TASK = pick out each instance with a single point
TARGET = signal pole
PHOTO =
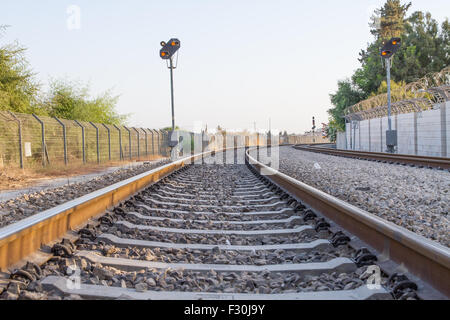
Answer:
(388, 78)
(166, 53)
(171, 93)
(387, 52)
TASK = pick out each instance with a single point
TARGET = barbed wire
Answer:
(416, 96)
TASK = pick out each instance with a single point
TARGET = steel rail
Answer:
(426, 161)
(426, 259)
(20, 239)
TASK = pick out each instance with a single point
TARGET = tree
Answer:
(18, 88)
(424, 49)
(332, 130)
(389, 20)
(170, 128)
(71, 100)
(346, 96)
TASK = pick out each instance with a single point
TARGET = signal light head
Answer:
(169, 48)
(390, 47)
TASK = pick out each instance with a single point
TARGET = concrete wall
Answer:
(422, 133)
(340, 140)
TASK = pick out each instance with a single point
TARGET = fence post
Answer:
(159, 149)
(161, 142)
(247, 145)
(146, 142)
(19, 124)
(257, 146)
(109, 140)
(64, 139)
(129, 140)
(138, 142)
(96, 137)
(120, 142)
(43, 140)
(165, 140)
(82, 140)
(235, 150)
(192, 143)
(153, 142)
(203, 146)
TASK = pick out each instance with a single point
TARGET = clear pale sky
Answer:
(240, 61)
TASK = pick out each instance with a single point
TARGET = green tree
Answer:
(346, 96)
(389, 20)
(424, 49)
(18, 88)
(170, 128)
(71, 100)
(332, 130)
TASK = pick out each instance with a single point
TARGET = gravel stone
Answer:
(417, 199)
(29, 204)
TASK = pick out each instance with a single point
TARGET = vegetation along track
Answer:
(404, 159)
(210, 232)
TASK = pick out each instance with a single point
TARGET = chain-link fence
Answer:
(304, 139)
(30, 141)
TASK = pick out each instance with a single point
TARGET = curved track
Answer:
(209, 232)
(419, 161)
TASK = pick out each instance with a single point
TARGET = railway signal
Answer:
(390, 47)
(166, 53)
(388, 50)
(169, 48)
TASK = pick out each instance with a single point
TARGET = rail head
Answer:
(20, 239)
(24, 237)
(394, 242)
(431, 161)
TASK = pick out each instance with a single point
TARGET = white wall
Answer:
(340, 140)
(423, 133)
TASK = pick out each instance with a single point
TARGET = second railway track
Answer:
(442, 163)
(210, 232)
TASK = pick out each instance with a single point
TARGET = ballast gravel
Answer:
(29, 204)
(417, 199)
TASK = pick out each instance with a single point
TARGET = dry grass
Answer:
(16, 178)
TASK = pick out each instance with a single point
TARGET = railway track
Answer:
(405, 159)
(205, 232)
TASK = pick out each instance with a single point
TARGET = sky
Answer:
(241, 62)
